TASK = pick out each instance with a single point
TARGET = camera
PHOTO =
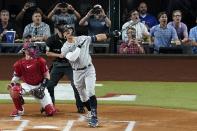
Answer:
(63, 5)
(32, 3)
(97, 9)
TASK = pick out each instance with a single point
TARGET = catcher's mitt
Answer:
(38, 92)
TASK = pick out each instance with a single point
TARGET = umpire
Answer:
(60, 65)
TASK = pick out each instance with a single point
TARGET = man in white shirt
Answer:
(141, 29)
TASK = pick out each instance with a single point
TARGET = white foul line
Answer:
(22, 125)
(130, 126)
(69, 125)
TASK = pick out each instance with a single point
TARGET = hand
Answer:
(56, 7)
(9, 86)
(27, 5)
(103, 13)
(4, 31)
(61, 56)
(131, 41)
(89, 13)
(125, 49)
(70, 7)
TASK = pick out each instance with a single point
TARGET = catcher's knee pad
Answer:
(49, 110)
(15, 90)
(15, 93)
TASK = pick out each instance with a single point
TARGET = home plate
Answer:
(45, 127)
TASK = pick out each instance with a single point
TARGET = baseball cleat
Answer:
(17, 113)
(93, 122)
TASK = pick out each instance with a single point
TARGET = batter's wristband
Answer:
(94, 39)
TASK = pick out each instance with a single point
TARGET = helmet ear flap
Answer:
(72, 30)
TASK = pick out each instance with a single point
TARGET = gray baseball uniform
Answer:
(84, 74)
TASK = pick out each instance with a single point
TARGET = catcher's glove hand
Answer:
(38, 92)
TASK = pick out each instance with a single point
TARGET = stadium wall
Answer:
(129, 68)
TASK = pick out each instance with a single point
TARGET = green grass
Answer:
(180, 95)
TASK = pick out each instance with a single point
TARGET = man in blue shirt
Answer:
(163, 34)
(193, 38)
(146, 18)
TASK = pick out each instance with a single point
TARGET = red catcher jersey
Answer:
(31, 71)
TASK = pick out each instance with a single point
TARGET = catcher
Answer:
(34, 72)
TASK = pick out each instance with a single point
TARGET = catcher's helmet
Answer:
(31, 48)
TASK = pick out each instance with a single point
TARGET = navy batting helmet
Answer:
(63, 26)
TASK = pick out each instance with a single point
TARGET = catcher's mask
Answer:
(31, 48)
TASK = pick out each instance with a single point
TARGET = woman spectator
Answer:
(131, 46)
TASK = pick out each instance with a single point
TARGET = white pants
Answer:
(85, 82)
(44, 101)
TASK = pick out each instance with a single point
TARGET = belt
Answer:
(82, 68)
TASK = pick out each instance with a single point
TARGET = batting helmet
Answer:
(63, 26)
(31, 48)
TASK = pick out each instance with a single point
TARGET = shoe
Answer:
(81, 110)
(17, 113)
(42, 110)
(93, 122)
(88, 116)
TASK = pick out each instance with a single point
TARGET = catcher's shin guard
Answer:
(15, 93)
(50, 110)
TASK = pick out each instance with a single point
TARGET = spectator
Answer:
(5, 24)
(64, 12)
(193, 38)
(131, 46)
(141, 30)
(24, 17)
(163, 34)
(96, 20)
(38, 30)
(146, 18)
(179, 26)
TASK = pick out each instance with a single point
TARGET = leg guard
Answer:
(15, 93)
(49, 110)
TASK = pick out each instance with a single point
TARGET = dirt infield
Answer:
(112, 118)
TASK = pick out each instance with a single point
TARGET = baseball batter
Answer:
(76, 50)
(35, 74)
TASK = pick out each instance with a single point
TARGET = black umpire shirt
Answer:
(54, 44)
